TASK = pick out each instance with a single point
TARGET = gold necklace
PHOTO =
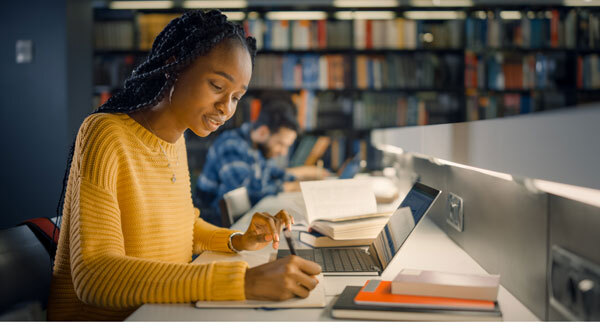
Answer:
(173, 179)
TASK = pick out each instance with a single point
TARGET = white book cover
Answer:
(360, 31)
(379, 34)
(391, 35)
(443, 284)
(410, 34)
(296, 35)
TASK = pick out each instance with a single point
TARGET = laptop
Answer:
(375, 259)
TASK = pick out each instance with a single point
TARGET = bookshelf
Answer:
(349, 76)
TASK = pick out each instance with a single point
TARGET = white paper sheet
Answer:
(316, 298)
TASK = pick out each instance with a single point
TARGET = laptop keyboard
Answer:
(339, 260)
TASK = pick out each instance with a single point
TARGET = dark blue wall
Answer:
(41, 103)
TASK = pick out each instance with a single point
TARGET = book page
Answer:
(336, 198)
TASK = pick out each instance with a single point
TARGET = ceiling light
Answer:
(441, 3)
(235, 16)
(312, 15)
(215, 4)
(434, 15)
(365, 15)
(581, 3)
(362, 3)
(140, 4)
(510, 15)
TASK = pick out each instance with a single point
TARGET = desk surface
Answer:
(428, 247)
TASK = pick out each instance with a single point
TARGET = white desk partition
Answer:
(559, 146)
(428, 247)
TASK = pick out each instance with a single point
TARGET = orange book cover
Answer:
(322, 33)
(369, 35)
(554, 26)
(255, 106)
(376, 292)
(318, 150)
(300, 101)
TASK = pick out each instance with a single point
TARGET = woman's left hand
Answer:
(263, 229)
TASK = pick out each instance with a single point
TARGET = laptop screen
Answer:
(420, 198)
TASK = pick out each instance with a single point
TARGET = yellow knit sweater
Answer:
(128, 232)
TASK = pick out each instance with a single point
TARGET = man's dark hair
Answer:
(193, 34)
(277, 113)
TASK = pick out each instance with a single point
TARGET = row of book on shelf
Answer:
(391, 71)
(374, 110)
(544, 29)
(308, 71)
(588, 72)
(502, 71)
(358, 34)
(541, 29)
(494, 105)
(394, 71)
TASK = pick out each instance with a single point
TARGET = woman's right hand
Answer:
(281, 279)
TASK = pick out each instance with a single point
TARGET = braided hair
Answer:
(193, 34)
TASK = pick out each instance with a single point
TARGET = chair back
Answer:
(25, 270)
(234, 204)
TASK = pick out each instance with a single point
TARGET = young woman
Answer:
(129, 228)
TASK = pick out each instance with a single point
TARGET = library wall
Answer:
(36, 107)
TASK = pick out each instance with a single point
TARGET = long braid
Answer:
(185, 38)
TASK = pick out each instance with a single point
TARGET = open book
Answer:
(343, 208)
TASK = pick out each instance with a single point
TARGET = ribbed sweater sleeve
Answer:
(210, 237)
(103, 274)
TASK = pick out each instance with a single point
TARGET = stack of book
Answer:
(420, 295)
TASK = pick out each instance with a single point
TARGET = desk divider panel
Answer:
(505, 226)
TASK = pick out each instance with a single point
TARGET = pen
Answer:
(288, 238)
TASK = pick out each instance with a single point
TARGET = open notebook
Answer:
(316, 299)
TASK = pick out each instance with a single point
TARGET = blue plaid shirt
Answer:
(233, 162)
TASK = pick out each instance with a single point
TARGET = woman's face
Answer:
(206, 94)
